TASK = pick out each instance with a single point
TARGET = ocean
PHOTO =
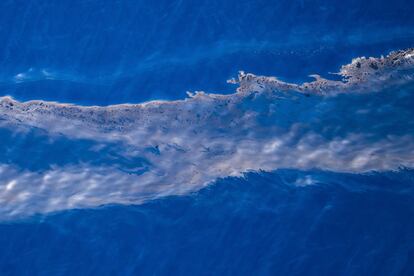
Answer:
(286, 221)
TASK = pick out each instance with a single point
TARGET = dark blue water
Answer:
(103, 52)
(265, 224)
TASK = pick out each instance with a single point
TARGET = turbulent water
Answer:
(124, 151)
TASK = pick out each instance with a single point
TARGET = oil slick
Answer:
(186, 144)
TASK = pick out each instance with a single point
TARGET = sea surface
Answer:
(284, 222)
(263, 224)
(106, 52)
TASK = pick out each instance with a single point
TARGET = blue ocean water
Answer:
(264, 224)
(107, 52)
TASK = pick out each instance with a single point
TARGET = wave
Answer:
(358, 124)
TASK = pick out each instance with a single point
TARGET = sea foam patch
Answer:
(137, 152)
